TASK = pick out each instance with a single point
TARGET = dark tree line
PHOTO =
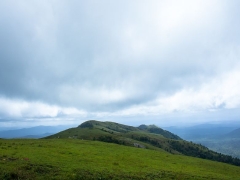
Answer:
(200, 151)
(190, 149)
(146, 139)
(109, 139)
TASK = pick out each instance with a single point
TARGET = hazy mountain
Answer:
(202, 131)
(8, 128)
(34, 132)
(234, 134)
(222, 138)
(36, 136)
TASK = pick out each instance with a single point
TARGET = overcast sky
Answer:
(161, 62)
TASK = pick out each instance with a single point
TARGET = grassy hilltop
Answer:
(107, 150)
(149, 137)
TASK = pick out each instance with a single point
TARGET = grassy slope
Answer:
(81, 159)
(150, 137)
(117, 131)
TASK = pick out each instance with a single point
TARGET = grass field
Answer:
(82, 159)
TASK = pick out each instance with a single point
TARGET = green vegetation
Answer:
(149, 137)
(157, 130)
(125, 152)
(83, 159)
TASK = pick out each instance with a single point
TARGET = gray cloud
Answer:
(113, 57)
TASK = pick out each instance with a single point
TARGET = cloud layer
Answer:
(91, 59)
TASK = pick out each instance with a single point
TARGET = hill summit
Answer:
(120, 128)
(143, 136)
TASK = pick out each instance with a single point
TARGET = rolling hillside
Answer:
(74, 159)
(147, 137)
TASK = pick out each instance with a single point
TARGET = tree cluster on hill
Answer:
(109, 139)
(189, 149)
(200, 151)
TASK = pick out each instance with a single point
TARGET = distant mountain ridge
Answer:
(234, 134)
(32, 132)
(223, 138)
(144, 136)
(201, 131)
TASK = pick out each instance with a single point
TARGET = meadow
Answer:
(83, 159)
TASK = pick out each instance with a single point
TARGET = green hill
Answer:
(76, 159)
(147, 137)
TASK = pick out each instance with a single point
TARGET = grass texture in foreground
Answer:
(81, 159)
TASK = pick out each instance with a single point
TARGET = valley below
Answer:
(229, 146)
(224, 139)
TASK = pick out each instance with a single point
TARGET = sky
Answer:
(163, 62)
